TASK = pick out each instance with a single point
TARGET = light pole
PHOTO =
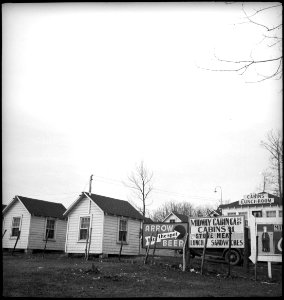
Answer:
(221, 192)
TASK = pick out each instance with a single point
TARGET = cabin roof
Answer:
(110, 206)
(40, 208)
(183, 218)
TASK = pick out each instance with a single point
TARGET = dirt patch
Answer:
(60, 276)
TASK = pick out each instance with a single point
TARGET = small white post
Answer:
(269, 269)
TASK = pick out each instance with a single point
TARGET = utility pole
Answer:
(90, 186)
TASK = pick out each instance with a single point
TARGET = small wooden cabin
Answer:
(38, 223)
(101, 224)
(174, 217)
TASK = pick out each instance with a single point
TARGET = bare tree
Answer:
(274, 145)
(141, 182)
(267, 18)
(184, 208)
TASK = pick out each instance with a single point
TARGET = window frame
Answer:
(19, 227)
(280, 213)
(118, 231)
(54, 230)
(257, 211)
(231, 214)
(270, 211)
(245, 214)
(79, 228)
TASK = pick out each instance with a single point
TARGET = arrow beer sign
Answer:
(164, 235)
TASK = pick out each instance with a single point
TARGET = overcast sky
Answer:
(96, 88)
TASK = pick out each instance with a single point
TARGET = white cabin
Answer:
(99, 225)
(39, 224)
(174, 217)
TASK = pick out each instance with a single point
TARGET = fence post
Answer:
(16, 242)
(46, 238)
(203, 254)
(86, 249)
(269, 269)
(89, 246)
(121, 245)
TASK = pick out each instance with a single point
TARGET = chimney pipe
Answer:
(90, 187)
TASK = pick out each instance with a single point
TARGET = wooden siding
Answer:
(37, 234)
(96, 218)
(110, 244)
(16, 210)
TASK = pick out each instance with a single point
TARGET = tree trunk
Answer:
(279, 176)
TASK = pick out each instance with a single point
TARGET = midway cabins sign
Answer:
(218, 232)
(254, 198)
(164, 235)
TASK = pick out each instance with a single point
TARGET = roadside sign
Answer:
(218, 231)
(270, 238)
(164, 235)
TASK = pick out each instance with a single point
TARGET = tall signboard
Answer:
(164, 235)
(218, 232)
(269, 245)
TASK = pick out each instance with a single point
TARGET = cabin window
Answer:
(244, 213)
(16, 226)
(280, 213)
(257, 213)
(172, 221)
(84, 227)
(271, 214)
(122, 230)
(50, 229)
(232, 214)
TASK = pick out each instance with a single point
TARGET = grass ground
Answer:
(59, 276)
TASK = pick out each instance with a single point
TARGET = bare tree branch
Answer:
(272, 32)
(274, 145)
(140, 181)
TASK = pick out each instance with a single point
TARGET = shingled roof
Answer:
(116, 207)
(110, 206)
(182, 217)
(41, 208)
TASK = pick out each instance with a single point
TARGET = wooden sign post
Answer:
(246, 252)
(155, 244)
(184, 254)
(255, 266)
(203, 254)
(147, 251)
(229, 256)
